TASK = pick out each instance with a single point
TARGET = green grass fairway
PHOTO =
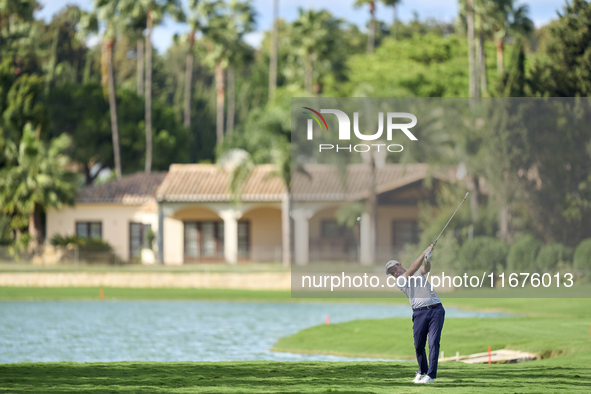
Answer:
(300, 377)
(557, 328)
(392, 338)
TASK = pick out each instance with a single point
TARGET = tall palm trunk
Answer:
(220, 93)
(113, 107)
(148, 114)
(308, 72)
(274, 48)
(140, 66)
(231, 101)
(35, 230)
(471, 63)
(371, 37)
(482, 64)
(189, 80)
(500, 44)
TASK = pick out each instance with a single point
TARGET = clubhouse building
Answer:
(188, 214)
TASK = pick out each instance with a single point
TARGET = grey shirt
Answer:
(418, 290)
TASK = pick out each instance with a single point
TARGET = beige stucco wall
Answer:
(385, 216)
(265, 233)
(115, 219)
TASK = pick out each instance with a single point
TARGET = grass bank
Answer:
(392, 338)
(300, 377)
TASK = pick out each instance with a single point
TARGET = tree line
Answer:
(121, 105)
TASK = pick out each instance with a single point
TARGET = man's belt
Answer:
(427, 307)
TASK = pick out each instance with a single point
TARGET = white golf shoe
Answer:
(426, 379)
(417, 378)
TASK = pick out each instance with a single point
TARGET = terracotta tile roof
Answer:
(135, 189)
(209, 182)
(324, 182)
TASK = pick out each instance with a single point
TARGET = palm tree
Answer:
(312, 35)
(106, 11)
(37, 180)
(267, 142)
(513, 21)
(197, 23)
(154, 11)
(394, 4)
(274, 50)
(224, 34)
(371, 36)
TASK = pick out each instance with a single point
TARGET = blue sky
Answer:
(541, 11)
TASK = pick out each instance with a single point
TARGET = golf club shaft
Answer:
(435, 243)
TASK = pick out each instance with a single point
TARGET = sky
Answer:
(541, 12)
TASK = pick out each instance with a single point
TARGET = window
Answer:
(331, 229)
(139, 238)
(89, 229)
(404, 232)
(205, 240)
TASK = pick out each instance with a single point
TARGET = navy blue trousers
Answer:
(430, 322)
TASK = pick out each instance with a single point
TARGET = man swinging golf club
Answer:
(428, 314)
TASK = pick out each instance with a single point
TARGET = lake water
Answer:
(87, 331)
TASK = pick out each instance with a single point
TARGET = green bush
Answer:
(482, 254)
(582, 258)
(522, 255)
(550, 255)
(60, 240)
(84, 244)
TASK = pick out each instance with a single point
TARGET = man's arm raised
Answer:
(427, 266)
(417, 263)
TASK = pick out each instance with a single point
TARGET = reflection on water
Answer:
(87, 331)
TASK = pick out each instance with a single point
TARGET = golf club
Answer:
(435, 243)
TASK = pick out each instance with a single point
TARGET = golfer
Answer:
(428, 313)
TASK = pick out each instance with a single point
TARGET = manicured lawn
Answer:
(559, 329)
(300, 377)
(392, 338)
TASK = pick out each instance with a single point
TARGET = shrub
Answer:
(482, 254)
(550, 255)
(95, 245)
(522, 255)
(59, 240)
(84, 244)
(582, 258)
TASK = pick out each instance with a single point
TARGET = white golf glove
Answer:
(429, 253)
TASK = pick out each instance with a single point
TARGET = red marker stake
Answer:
(327, 320)
(489, 360)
